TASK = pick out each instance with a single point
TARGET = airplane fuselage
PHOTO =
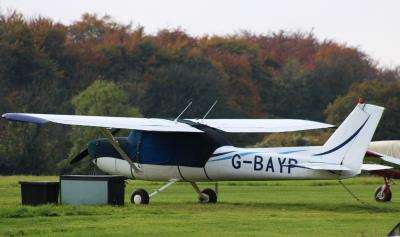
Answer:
(227, 163)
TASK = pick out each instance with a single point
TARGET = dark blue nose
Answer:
(103, 148)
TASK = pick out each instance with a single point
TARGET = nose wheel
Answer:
(208, 196)
(205, 196)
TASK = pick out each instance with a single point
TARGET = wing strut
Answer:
(117, 147)
(209, 110)
(176, 120)
(159, 190)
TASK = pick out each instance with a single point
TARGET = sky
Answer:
(373, 26)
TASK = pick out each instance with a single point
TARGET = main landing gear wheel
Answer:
(383, 194)
(140, 196)
(208, 196)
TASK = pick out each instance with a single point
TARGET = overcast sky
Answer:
(373, 26)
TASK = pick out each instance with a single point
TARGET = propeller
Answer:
(81, 155)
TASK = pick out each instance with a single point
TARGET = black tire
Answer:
(211, 196)
(140, 196)
(383, 196)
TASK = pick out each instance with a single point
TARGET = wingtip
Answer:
(327, 125)
(5, 115)
(23, 118)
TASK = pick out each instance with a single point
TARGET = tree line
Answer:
(96, 66)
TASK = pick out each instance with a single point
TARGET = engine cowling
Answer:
(163, 148)
(103, 148)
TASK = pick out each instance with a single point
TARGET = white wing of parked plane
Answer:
(261, 125)
(371, 167)
(165, 125)
(388, 151)
(146, 124)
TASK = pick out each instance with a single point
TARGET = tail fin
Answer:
(347, 146)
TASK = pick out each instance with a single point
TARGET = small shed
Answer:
(92, 189)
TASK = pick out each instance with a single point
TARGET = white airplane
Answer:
(194, 150)
(388, 152)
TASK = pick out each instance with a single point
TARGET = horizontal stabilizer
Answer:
(321, 166)
(370, 167)
(261, 125)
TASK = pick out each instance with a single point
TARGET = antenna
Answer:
(190, 103)
(209, 110)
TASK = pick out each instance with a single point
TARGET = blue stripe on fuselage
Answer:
(230, 156)
(290, 152)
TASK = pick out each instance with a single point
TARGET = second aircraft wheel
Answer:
(140, 196)
(382, 194)
(208, 196)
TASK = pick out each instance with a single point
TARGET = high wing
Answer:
(164, 125)
(261, 125)
(146, 124)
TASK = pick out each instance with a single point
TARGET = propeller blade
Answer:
(85, 152)
(80, 156)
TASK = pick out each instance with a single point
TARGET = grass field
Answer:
(284, 208)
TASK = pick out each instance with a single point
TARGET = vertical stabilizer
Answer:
(347, 146)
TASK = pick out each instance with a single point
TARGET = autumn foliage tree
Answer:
(44, 65)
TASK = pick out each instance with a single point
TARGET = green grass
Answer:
(275, 208)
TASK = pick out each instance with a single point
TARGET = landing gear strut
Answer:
(141, 196)
(205, 196)
(384, 193)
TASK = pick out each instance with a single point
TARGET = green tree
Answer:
(102, 98)
(383, 93)
(288, 95)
